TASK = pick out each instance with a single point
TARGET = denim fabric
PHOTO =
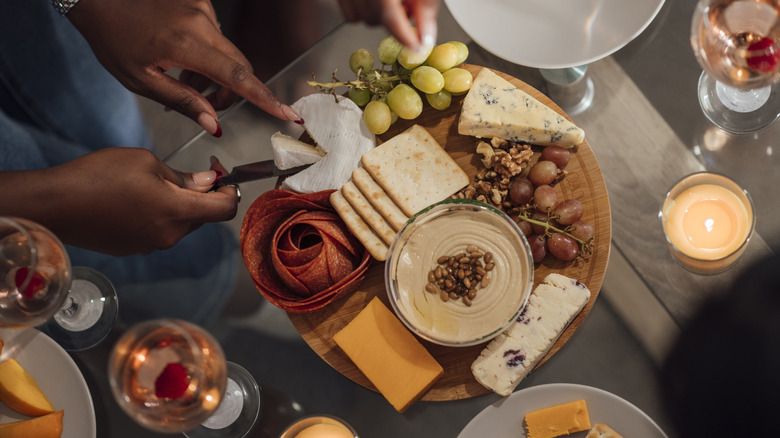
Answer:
(57, 103)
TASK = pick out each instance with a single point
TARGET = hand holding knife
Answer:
(255, 171)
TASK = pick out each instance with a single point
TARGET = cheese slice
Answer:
(558, 420)
(511, 356)
(290, 152)
(494, 107)
(338, 128)
(389, 355)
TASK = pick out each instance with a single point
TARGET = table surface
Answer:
(646, 131)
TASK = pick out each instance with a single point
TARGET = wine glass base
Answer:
(239, 410)
(733, 111)
(89, 312)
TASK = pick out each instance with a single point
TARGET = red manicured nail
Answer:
(299, 121)
(219, 175)
(218, 132)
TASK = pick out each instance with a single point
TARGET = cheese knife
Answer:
(255, 171)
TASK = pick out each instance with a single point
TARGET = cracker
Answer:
(414, 170)
(375, 246)
(367, 211)
(379, 199)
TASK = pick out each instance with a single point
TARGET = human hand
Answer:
(394, 15)
(124, 201)
(139, 42)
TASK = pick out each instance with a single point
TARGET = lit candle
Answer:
(707, 219)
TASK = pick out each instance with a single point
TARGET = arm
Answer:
(118, 200)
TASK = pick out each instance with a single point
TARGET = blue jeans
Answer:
(57, 103)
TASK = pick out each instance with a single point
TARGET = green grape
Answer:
(405, 102)
(377, 117)
(457, 80)
(360, 96)
(427, 79)
(463, 51)
(408, 58)
(443, 57)
(388, 49)
(361, 59)
(440, 100)
(393, 117)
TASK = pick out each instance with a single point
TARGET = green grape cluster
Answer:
(396, 87)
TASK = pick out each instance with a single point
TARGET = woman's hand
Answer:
(118, 201)
(138, 42)
(395, 15)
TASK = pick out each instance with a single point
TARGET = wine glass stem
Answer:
(742, 101)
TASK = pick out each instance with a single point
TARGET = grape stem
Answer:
(585, 245)
(372, 84)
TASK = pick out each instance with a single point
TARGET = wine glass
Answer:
(77, 307)
(171, 376)
(736, 43)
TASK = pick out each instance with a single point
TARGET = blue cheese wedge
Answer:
(511, 356)
(338, 128)
(290, 152)
(494, 107)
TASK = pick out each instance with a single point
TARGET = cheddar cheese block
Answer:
(558, 420)
(389, 355)
(494, 107)
(508, 358)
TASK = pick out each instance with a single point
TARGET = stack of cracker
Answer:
(397, 179)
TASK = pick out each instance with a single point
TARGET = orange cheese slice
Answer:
(389, 355)
(558, 420)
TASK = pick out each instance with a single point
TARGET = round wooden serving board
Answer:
(583, 182)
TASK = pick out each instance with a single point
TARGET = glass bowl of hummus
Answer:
(459, 273)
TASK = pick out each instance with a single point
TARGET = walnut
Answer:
(499, 143)
(487, 153)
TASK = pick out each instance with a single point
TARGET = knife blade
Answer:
(256, 171)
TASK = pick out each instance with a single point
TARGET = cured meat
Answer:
(299, 252)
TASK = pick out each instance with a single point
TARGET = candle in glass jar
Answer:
(707, 222)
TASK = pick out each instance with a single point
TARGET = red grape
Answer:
(541, 217)
(545, 198)
(525, 227)
(569, 211)
(543, 172)
(521, 190)
(563, 247)
(582, 230)
(557, 154)
(538, 248)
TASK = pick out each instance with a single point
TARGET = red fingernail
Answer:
(219, 175)
(218, 132)
(299, 121)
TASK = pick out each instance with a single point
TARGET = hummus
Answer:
(447, 230)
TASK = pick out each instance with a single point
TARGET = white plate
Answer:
(58, 377)
(504, 418)
(553, 33)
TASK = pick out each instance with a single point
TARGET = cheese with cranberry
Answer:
(494, 107)
(508, 358)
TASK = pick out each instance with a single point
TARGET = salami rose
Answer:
(299, 252)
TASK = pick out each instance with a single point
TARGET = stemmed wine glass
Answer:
(77, 307)
(736, 43)
(171, 376)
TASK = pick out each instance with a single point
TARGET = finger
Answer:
(217, 206)
(222, 99)
(238, 77)
(199, 181)
(184, 99)
(217, 166)
(425, 13)
(195, 80)
(397, 23)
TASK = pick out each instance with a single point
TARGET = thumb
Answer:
(199, 181)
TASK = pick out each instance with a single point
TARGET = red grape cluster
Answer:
(550, 225)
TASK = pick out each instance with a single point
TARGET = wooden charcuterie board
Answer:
(584, 182)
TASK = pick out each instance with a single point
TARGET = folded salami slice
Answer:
(299, 252)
